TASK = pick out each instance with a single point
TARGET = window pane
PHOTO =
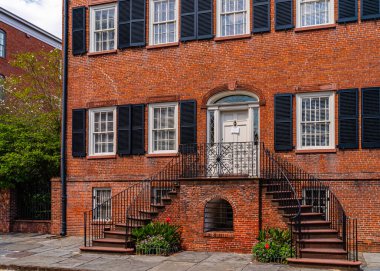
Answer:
(314, 12)
(164, 130)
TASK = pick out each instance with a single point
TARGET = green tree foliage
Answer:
(30, 120)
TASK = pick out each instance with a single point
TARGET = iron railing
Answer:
(312, 192)
(33, 201)
(132, 207)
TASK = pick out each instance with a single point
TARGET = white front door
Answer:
(235, 126)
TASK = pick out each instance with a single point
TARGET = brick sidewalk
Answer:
(29, 251)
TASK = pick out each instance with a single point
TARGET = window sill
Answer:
(157, 155)
(219, 234)
(102, 53)
(245, 36)
(96, 157)
(315, 151)
(172, 44)
(315, 27)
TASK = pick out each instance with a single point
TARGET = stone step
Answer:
(111, 242)
(320, 253)
(116, 234)
(108, 250)
(325, 263)
(321, 243)
(317, 233)
(292, 209)
(312, 224)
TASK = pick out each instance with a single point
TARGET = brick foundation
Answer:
(31, 226)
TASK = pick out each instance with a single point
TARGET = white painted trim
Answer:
(91, 130)
(331, 14)
(151, 20)
(218, 20)
(223, 94)
(331, 96)
(29, 28)
(150, 127)
(92, 24)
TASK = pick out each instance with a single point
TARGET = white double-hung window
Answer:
(103, 36)
(163, 18)
(102, 138)
(101, 203)
(233, 17)
(2, 43)
(315, 12)
(163, 123)
(315, 121)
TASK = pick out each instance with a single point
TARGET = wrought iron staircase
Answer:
(322, 233)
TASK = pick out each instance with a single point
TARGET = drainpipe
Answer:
(64, 118)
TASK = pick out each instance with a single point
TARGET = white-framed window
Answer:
(233, 17)
(315, 121)
(315, 12)
(163, 21)
(102, 136)
(103, 26)
(163, 128)
(101, 204)
(2, 43)
(318, 198)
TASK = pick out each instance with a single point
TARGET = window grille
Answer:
(218, 216)
(314, 12)
(104, 29)
(164, 21)
(102, 204)
(2, 43)
(233, 17)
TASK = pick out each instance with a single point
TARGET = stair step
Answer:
(140, 218)
(166, 198)
(149, 212)
(287, 199)
(117, 232)
(303, 214)
(278, 192)
(108, 249)
(112, 242)
(354, 265)
(172, 192)
(311, 222)
(294, 207)
(323, 250)
(321, 240)
(158, 206)
(129, 225)
(316, 231)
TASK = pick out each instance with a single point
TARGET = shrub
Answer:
(157, 238)
(275, 245)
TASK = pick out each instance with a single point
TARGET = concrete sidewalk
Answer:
(29, 251)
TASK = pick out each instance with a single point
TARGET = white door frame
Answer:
(233, 107)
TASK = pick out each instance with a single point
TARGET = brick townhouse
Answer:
(18, 36)
(228, 116)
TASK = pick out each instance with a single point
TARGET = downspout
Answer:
(64, 118)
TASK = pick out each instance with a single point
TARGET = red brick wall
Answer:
(345, 56)
(18, 42)
(31, 226)
(360, 199)
(187, 210)
(5, 210)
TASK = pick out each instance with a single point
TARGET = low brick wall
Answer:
(31, 226)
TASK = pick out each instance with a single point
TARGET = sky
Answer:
(46, 14)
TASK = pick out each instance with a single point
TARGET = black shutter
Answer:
(124, 130)
(261, 16)
(188, 127)
(204, 19)
(79, 133)
(284, 14)
(348, 119)
(371, 118)
(78, 37)
(131, 23)
(370, 9)
(188, 20)
(347, 11)
(283, 122)
(138, 135)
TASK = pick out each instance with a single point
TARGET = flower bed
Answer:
(157, 238)
(275, 245)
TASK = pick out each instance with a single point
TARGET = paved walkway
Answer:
(26, 251)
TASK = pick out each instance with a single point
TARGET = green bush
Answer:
(275, 245)
(157, 238)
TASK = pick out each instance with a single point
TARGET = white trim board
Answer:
(29, 28)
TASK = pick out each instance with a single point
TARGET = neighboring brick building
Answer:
(303, 77)
(19, 36)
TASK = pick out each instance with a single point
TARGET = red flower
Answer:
(168, 220)
(267, 246)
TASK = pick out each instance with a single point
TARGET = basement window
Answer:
(218, 216)
(318, 198)
(101, 202)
